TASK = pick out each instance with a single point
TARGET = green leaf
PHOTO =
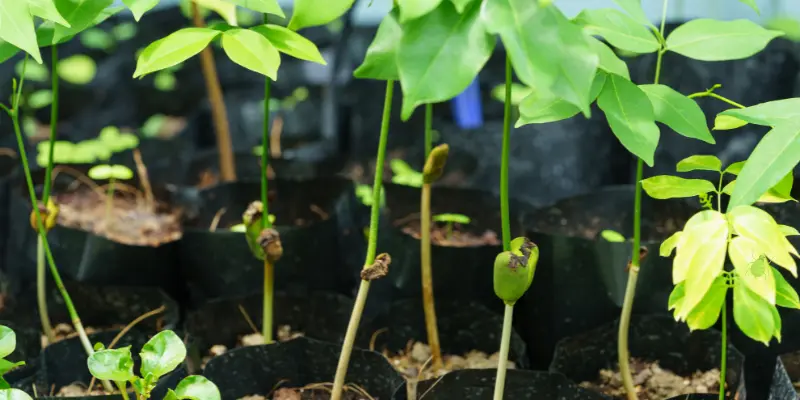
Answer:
(290, 42)
(6, 366)
(727, 122)
(630, 116)
(634, 9)
(785, 295)
(105, 171)
(196, 387)
(40, 99)
(113, 365)
(518, 93)
(139, 7)
(781, 192)
(261, 6)
(173, 49)
(438, 64)
(124, 31)
(706, 313)
(700, 257)
(712, 40)
(8, 341)
(14, 394)
(98, 39)
(308, 13)
(79, 69)
(609, 62)
(752, 314)
(46, 9)
(700, 163)
(570, 66)
(165, 81)
(752, 267)
(380, 61)
(771, 113)
(735, 168)
(679, 112)
(162, 354)
(81, 15)
(412, 9)
(612, 236)
(542, 107)
(758, 226)
(252, 51)
(776, 317)
(751, 4)
(620, 30)
(453, 218)
(16, 27)
(788, 230)
(461, 5)
(669, 244)
(776, 155)
(676, 296)
(671, 187)
(33, 72)
(223, 8)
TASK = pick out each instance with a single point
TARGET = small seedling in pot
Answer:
(450, 219)
(403, 174)
(160, 355)
(111, 173)
(752, 241)
(513, 274)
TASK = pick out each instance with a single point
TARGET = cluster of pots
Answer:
(570, 181)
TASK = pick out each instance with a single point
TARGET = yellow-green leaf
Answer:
(630, 115)
(785, 295)
(771, 113)
(706, 313)
(699, 163)
(788, 230)
(139, 7)
(261, 6)
(670, 187)
(411, 9)
(727, 122)
(676, 297)
(758, 226)
(752, 267)
(541, 107)
(290, 42)
(700, 257)
(16, 27)
(223, 8)
(679, 112)
(308, 13)
(608, 60)
(46, 9)
(711, 40)
(380, 62)
(622, 31)
(752, 314)
(668, 245)
(173, 49)
(252, 51)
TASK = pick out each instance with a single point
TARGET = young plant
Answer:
(111, 173)
(8, 342)
(160, 356)
(403, 174)
(513, 275)
(752, 241)
(451, 219)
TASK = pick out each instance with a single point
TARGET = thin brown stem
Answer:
(219, 114)
(144, 179)
(428, 304)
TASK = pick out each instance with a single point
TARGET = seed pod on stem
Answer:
(263, 243)
(434, 165)
(49, 214)
(514, 270)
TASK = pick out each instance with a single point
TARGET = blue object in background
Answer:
(467, 107)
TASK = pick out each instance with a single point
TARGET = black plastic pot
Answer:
(463, 326)
(651, 338)
(479, 385)
(581, 278)
(458, 272)
(296, 363)
(29, 345)
(64, 363)
(220, 264)
(318, 315)
(83, 256)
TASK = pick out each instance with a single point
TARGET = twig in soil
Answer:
(423, 367)
(248, 319)
(275, 137)
(348, 387)
(215, 221)
(317, 210)
(125, 330)
(144, 179)
(375, 337)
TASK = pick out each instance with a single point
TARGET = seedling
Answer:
(513, 274)
(111, 173)
(160, 356)
(612, 236)
(403, 174)
(8, 342)
(752, 241)
(364, 194)
(450, 219)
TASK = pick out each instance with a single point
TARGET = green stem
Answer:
(428, 304)
(505, 341)
(76, 321)
(265, 154)
(724, 353)
(709, 93)
(48, 173)
(123, 390)
(504, 212)
(269, 289)
(623, 352)
(363, 289)
(428, 130)
(41, 292)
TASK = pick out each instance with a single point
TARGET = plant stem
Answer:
(41, 292)
(363, 289)
(48, 173)
(716, 96)
(265, 154)
(505, 341)
(623, 353)
(428, 303)
(269, 287)
(724, 351)
(428, 130)
(219, 114)
(76, 321)
(504, 211)
(109, 202)
(123, 390)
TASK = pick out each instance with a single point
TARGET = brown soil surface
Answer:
(416, 357)
(313, 394)
(80, 390)
(654, 383)
(457, 238)
(67, 331)
(285, 333)
(130, 221)
(589, 226)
